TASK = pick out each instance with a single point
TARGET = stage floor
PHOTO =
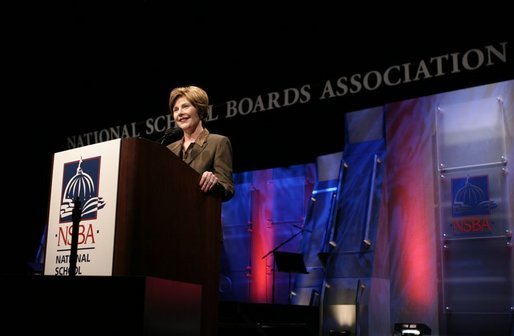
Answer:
(239, 318)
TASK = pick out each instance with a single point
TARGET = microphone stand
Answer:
(75, 216)
(273, 251)
(170, 132)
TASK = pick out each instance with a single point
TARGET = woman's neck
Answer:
(192, 136)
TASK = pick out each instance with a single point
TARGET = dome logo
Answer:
(471, 205)
(81, 181)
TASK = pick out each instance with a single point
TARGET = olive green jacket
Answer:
(211, 152)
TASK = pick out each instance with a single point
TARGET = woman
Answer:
(208, 154)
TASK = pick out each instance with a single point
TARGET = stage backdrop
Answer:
(412, 222)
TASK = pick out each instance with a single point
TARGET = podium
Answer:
(143, 216)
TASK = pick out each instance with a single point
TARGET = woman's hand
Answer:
(207, 181)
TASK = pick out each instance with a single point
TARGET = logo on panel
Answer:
(81, 181)
(471, 206)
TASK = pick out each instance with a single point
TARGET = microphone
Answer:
(173, 132)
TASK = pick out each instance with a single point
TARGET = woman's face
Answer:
(185, 115)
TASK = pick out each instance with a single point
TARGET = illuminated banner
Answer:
(89, 174)
(472, 166)
(393, 76)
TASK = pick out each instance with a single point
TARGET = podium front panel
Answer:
(89, 173)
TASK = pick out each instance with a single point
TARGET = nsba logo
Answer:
(81, 182)
(471, 206)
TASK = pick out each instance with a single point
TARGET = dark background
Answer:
(77, 67)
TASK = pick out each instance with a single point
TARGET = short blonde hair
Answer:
(196, 96)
